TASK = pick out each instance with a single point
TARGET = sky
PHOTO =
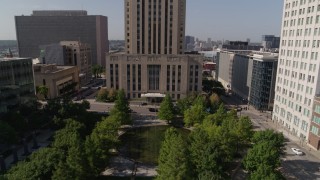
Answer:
(216, 19)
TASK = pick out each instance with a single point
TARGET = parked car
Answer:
(297, 151)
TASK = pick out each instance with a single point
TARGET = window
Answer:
(315, 130)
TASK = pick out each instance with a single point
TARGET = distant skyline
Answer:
(215, 19)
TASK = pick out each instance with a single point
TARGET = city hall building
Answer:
(155, 75)
(153, 63)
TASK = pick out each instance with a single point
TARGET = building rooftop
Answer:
(59, 13)
(12, 59)
(265, 55)
(49, 68)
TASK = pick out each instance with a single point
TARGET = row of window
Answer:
(302, 2)
(316, 119)
(304, 124)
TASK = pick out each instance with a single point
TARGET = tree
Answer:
(69, 136)
(96, 70)
(40, 166)
(265, 172)
(184, 104)
(206, 155)
(276, 139)
(195, 114)
(102, 139)
(102, 95)
(244, 130)
(173, 161)
(43, 90)
(211, 86)
(262, 153)
(215, 101)
(166, 110)
(121, 108)
(112, 94)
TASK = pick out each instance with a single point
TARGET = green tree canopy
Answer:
(262, 153)
(274, 138)
(102, 139)
(102, 95)
(205, 154)
(121, 109)
(43, 90)
(173, 161)
(196, 114)
(40, 166)
(265, 172)
(166, 110)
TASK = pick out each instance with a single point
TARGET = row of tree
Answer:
(106, 95)
(193, 108)
(79, 151)
(97, 70)
(211, 147)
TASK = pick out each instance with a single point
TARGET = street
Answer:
(293, 166)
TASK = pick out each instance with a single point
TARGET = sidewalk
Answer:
(266, 117)
(42, 141)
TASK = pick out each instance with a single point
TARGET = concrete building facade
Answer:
(16, 82)
(250, 75)
(59, 79)
(153, 64)
(69, 53)
(176, 75)
(298, 68)
(48, 27)
(155, 27)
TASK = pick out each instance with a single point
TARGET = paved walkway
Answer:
(42, 140)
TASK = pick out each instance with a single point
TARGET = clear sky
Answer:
(216, 19)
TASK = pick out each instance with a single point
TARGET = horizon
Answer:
(231, 20)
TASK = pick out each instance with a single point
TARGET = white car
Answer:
(297, 151)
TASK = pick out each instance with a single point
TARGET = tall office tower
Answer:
(155, 26)
(48, 27)
(16, 82)
(298, 68)
(270, 41)
(154, 64)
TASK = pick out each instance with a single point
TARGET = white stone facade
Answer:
(298, 66)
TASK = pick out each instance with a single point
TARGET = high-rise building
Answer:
(69, 53)
(154, 64)
(298, 69)
(48, 27)
(189, 43)
(270, 41)
(16, 82)
(155, 27)
(250, 75)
